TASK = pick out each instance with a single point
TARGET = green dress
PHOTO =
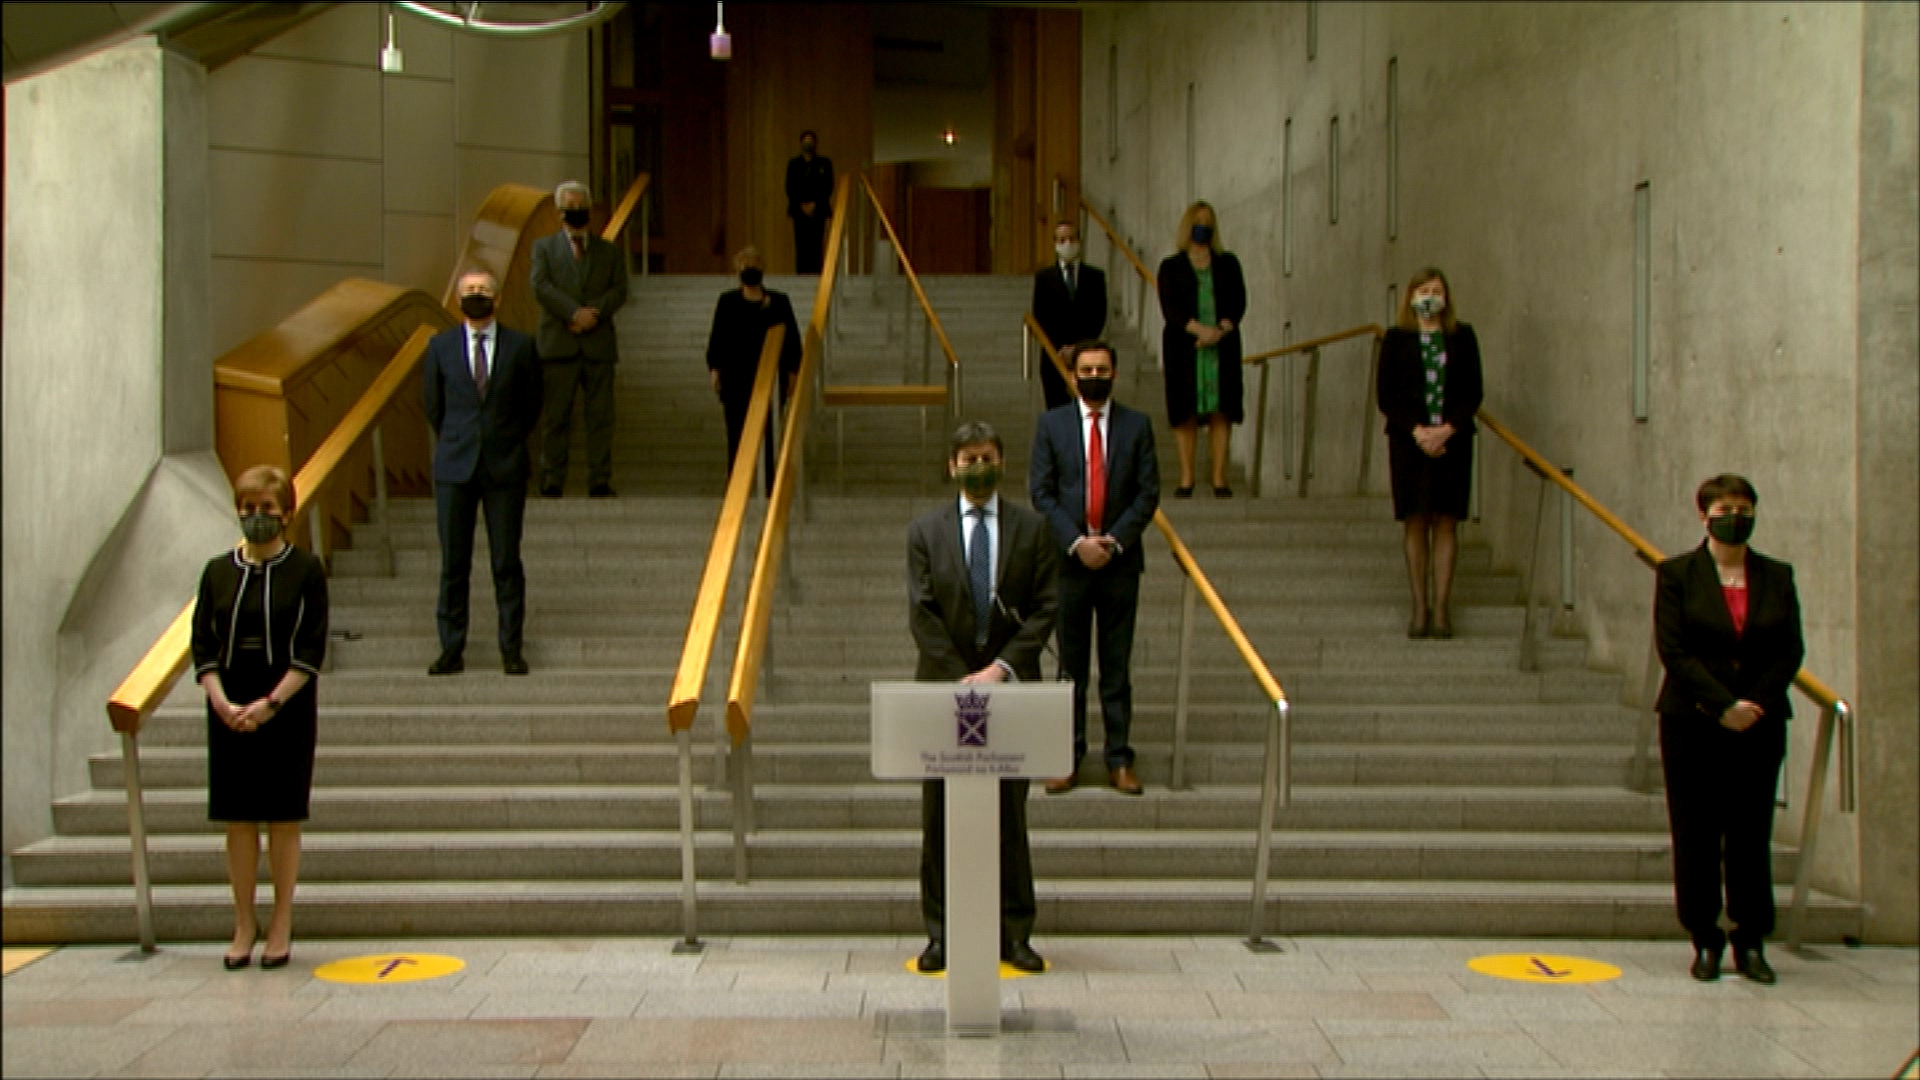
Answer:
(1206, 358)
(1433, 360)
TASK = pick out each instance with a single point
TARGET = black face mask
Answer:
(806, 148)
(1202, 234)
(576, 219)
(1733, 529)
(978, 478)
(476, 306)
(260, 527)
(750, 276)
(1094, 390)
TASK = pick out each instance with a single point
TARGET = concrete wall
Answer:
(1522, 132)
(323, 167)
(107, 391)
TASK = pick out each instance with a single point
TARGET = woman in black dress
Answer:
(1727, 624)
(259, 635)
(740, 323)
(1203, 296)
(1429, 388)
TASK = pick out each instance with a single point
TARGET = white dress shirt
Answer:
(992, 524)
(1086, 452)
(487, 335)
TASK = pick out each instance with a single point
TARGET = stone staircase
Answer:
(1437, 789)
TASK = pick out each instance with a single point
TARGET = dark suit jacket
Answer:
(810, 181)
(1070, 319)
(1708, 666)
(1401, 385)
(563, 284)
(1179, 303)
(940, 596)
(1057, 482)
(739, 333)
(471, 434)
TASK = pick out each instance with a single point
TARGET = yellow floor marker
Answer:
(389, 968)
(1544, 968)
(12, 960)
(1007, 971)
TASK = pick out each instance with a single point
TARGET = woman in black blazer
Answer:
(1202, 298)
(259, 636)
(1727, 624)
(1429, 388)
(740, 323)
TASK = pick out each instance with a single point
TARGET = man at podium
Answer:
(980, 584)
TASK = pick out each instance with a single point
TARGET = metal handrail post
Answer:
(317, 530)
(737, 765)
(1189, 599)
(137, 834)
(1529, 647)
(380, 499)
(722, 760)
(1026, 353)
(1473, 481)
(646, 235)
(689, 894)
(1260, 427)
(1272, 798)
(1839, 714)
(1287, 406)
(1368, 408)
(1307, 426)
(1640, 771)
(1566, 544)
(957, 390)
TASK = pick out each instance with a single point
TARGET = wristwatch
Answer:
(273, 705)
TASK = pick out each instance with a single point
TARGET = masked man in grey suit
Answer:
(980, 585)
(580, 280)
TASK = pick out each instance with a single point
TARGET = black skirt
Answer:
(265, 774)
(1430, 485)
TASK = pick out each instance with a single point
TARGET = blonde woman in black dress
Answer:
(259, 635)
(1429, 388)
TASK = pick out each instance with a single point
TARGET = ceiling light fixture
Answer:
(391, 62)
(720, 45)
(949, 136)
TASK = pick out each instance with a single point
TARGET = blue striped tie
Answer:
(980, 574)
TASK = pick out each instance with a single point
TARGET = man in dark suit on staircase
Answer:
(580, 280)
(1096, 478)
(1069, 303)
(481, 388)
(980, 585)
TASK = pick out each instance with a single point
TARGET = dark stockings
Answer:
(1431, 543)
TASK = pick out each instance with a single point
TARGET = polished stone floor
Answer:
(1163, 1006)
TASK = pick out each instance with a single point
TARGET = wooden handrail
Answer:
(913, 279)
(621, 213)
(758, 614)
(1118, 243)
(151, 680)
(841, 397)
(1307, 346)
(319, 470)
(1188, 564)
(709, 605)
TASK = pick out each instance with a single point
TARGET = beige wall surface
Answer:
(1522, 132)
(322, 167)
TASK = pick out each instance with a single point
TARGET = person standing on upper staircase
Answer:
(1070, 304)
(809, 203)
(1203, 297)
(740, 323)
(579, 280)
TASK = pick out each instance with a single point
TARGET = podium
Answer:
(972, 735)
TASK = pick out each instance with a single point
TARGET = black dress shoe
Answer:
(1022, 957)
(600, 491)
(449, 663)
(550, 491)
(513, 663)
(933, 958)
(1706, 965)
(1753, 964)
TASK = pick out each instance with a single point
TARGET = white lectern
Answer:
(972, 735)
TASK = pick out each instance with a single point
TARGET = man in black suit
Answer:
(809, 203)
(1096, 478)
(1069, 303)
(481, 388)
(981, 591)
(580, 280)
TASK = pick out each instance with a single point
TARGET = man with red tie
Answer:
(1096, 479)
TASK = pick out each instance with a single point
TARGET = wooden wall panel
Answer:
(694, 146)
(947, 230)
(1036, 131)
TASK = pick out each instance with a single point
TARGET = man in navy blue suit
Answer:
(481, 387)
(1096, 479)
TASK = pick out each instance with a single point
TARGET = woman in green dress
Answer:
(1203, 296)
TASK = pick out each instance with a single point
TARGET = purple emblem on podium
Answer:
(970, 715)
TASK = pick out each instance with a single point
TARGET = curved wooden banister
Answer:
(913, 279)
(1119, 244)
(1190, 566)
(709, 605)
(743, 685)
(617, 223)
(1369, 330)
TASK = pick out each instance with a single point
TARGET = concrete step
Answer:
(410, 909)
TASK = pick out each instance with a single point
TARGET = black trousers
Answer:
(592, 379)
(1104, 605)
(809, 242)
(457, 505)
(1720, 789)
(1017, 904)
(735, 406)
(1051, 384)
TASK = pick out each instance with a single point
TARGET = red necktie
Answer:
(1096, 477)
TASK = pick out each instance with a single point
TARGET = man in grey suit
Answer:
(580, 280)
(980, 585)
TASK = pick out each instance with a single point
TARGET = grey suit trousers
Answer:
(565, 378)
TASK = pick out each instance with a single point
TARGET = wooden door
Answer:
(949, 231)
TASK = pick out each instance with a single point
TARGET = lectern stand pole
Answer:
(973, 905)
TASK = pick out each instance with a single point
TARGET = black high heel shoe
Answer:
(1183, 492)
(235, 963)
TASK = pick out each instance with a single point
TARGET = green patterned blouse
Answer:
(1433, 358)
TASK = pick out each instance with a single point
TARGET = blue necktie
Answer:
(980, 574)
